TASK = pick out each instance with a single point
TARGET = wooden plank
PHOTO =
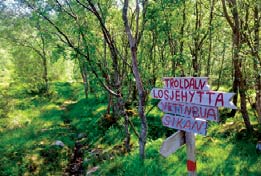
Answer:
(189, 110)
(172, 143)
(185, 124)
(207, 98)
(186, 83)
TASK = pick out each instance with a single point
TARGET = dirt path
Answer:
(75, 166)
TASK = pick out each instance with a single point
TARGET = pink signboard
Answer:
(185, 124)
(207, 98)
(189, 110)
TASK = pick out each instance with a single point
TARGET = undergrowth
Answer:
(31, 124)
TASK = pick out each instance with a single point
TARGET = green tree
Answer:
(239, 84)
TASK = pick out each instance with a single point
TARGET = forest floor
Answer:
(65, 134)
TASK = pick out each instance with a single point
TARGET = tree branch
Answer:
(66, 11)
(133, 127)
(232, 25)
(137, 20)
(144, 10)
(126, 23)
(77, 50)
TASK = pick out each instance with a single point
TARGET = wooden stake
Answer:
(191, 154)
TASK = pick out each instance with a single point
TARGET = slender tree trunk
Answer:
(238, 69)
(212, 3)
(45, 74)
(172, 45)
(133, 42)
(257, 61)
(173, 51)
(182, 29)
(221, 66)
(195, 49)
(84, 74)
(126, 124)
(234, 86)
(198, 40)
(239, 81)
(258, 97)
(152, 82)
(254, 47)
(44, 59)
(139, 85)
(85, 80)
(235, 98)
(119, 104)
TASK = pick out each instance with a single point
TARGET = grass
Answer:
(33, 123)
(215, 156)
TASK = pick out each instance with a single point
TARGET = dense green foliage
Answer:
(79, 73)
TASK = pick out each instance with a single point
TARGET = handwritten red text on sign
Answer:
(189, 110)
(208, 98)
(185, 124)
(189, 83)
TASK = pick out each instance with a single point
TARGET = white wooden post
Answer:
(191, 154)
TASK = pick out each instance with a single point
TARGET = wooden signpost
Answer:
(188, 103)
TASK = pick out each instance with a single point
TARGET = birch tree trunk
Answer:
(43, 55)
(133, 43)
(198, 41)
(84, 74)
(257, 64)
(182, 31)
(255, 47)
(212, 4)
(239, 80)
